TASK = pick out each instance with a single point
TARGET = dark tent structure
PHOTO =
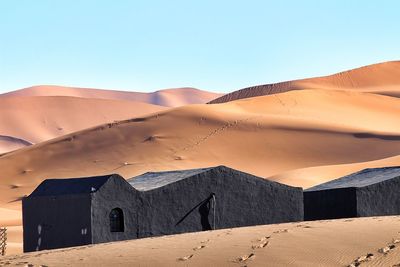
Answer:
(80, 211)
(370, 192)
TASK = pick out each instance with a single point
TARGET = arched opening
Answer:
(116, 220)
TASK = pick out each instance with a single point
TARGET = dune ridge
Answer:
(380, 78)
(168, 97)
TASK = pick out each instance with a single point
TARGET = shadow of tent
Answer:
(204, 210)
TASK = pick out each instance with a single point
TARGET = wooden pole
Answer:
(3, 241)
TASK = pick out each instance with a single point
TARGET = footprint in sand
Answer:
(199, 247)
(281, 231)
(185, 258)
(387, 249)
(261, 245)
(263, 242)
(362, 259)
(246, 257)
(303, 226)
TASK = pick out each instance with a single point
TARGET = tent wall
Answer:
(56, 222)
(116, 193)
(240, 200)
(330, 204)
(379, 199)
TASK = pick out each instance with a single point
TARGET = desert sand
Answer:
(173, 97)
(29, 120)
(299, 137)
(265, 136)
(381, 78)
(373, 241)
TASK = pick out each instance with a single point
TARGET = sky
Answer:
(212, 45)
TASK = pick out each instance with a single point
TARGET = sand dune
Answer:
(266, 136)
(382, 78)
(317, 243)
(169, 97)
(307, 177)
(28, 120)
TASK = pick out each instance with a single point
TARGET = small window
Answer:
(116, 220)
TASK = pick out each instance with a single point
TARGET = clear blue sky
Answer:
(213, 45)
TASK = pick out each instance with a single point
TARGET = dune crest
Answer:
(9, 143)
(381, 78)
(169, 97)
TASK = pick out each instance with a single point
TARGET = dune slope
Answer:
(381, 78)
(29, 120)
(264, 136)
(169, 97)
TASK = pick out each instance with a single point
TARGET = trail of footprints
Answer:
(201, 246)
(261, 243)
(370, 256)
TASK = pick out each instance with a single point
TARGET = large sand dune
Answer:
(382, 78)
(265, 136)
(366, 241)
(169, 97)
(29, 120)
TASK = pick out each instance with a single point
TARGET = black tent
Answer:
(370, 192)
(71, 212)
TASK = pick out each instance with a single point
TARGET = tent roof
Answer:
(152, 180)
(56, 187)
(360, 179)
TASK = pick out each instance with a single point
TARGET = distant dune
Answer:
(29, 120)
(382, 78)
(169, 97)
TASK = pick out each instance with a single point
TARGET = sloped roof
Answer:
(360, 179)
(153, 180)
(56, 187)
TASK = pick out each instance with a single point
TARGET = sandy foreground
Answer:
(373, 241)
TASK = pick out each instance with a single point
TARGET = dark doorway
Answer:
(116, 220)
